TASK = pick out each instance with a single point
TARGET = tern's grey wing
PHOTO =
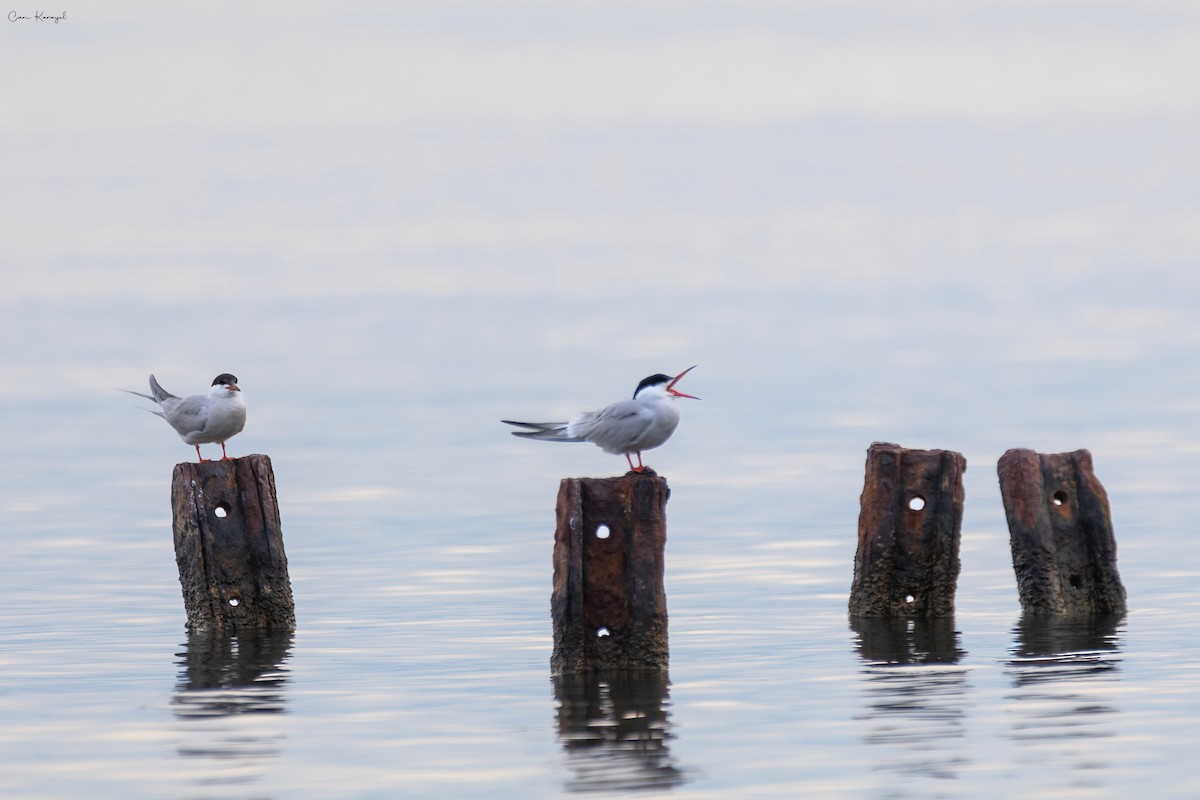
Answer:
(159, 393)
(188, 415)
(613, 428)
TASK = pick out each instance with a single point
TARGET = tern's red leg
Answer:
(223, 456)
(632, 468)
(202, 458)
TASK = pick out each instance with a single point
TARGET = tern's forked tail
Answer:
(157, 393)
(545, 431)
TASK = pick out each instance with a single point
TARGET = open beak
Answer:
(675, 380)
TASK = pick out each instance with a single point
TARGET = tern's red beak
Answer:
(675, 380)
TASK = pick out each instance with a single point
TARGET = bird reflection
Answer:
(228, 688)
(1062, 671)
(916, 694)
(614, 727)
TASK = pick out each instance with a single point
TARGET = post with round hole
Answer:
(229, 546)
(608, 606)
(909, 528)
(1060, 529)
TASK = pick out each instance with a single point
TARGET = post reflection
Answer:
(229, 689)
(1062, 671)
(916, 694)
(614, 727)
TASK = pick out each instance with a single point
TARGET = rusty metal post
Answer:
(608, 607)
(1063, 549)
(229, 546)
(909, 528)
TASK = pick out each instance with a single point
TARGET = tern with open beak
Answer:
(209, 418)
(627, 427)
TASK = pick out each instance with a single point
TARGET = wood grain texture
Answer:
(608, 606)
(1064, 550)
(229, 546)
(909, 529)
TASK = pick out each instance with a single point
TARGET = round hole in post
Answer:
(1060, 498)
(916, 503)
(235, 601)
(908, 598)
(221, 510)
(603, 633)
(603, 532)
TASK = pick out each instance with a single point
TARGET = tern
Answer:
(210, 418)
(627, 426)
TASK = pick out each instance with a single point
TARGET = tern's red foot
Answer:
(639, 472)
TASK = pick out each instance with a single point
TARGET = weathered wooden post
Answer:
(608, 607)
(1063, 549)
(909, 528)
(229, 546)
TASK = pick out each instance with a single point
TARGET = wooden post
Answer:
(909, 529)
(608, 606)
(1063, 549)
(229, 546)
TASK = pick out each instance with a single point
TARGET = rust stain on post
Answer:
(909, 529)
(608, 606)
(1063, 548)
(229, 546)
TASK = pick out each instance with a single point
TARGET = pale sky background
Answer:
(316, 136)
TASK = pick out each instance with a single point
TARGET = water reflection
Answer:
(1062, 670)
(614, 727)
(230, 686)
(916, 694)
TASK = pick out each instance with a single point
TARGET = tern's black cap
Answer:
(225, 379)
(653, 380)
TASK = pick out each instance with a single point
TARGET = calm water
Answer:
(397, 224)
